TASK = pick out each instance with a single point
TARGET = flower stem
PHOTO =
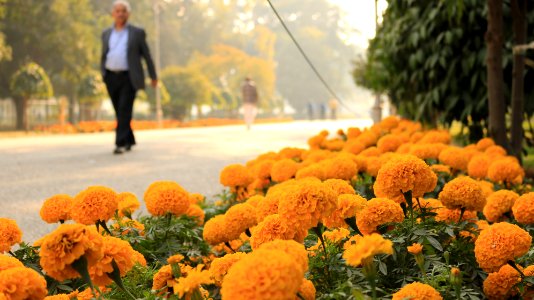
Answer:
(513, 265)
(462, 211)
(115, 275)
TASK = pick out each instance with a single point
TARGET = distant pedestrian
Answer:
(333, 105)
(309, 109)
(322, 111)
(250, 101)
(123, 46)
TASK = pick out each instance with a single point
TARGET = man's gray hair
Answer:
(123, 3)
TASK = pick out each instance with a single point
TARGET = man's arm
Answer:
(103, 56)
(145, 52)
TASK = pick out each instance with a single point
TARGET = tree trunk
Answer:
(494, 41)
(21, 106)
(519, 11)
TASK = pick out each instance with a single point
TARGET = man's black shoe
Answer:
(118, 150)
(128, 147)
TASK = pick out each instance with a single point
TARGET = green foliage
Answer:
(92, 89)
(31, 81)
(138, 282)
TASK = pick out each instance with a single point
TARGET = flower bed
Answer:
(391, 211)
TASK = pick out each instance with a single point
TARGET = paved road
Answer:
(35, 168)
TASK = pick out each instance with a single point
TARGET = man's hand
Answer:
(154, 83)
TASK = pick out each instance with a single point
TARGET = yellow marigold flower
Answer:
(307, 290)
(499, 203)
(97, 203)
(448, 215)
(416, 137)
(235, 175)
(300, 235)
(291, 153)
(417, 291)
(291, 248)
(500, 243)
(315, 155)
(372, 165)
(128, 203)
(266, 207)
(353, 132)
(500, 285)
(523, 209)
(389, 143)
(220, 266)
(317, 141)
(58, 297)
(438, 168)
(366, 248)
(415, 248)
(245, 279)
(334, 144)
(487, 187)
(478, 166)
(340, 186)
(185, 286)
(404, 148)
(67, 244)
(8, 262)
(336, 235)
(340, 167)
(371, 151)
(262, 169)
(174, 259)
(22, 283)
(352, 241)
(353, 146)
(495, 150)
(10, 234)
(56, 209)
(306, 203)
(378, 211)
(428, 204)
(435, 136)
(271, 228)
(348, 205)
(314, 171)
(463, 192)
(402, 174)
(196, 198)
(163, 197)
(138, 258)
(255, 200)
(427, 151)
(196, 212)
(484, 144)
(239, 218)
(283, 170)
(88, 294)
(506, 170)
(114, 249)
(454, 157)
(214, 232)
(163, 278)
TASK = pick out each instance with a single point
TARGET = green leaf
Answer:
(434, 243)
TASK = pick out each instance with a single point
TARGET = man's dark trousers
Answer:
(122, 95)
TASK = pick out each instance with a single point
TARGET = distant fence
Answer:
(40, 112)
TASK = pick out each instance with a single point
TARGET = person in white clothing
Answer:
(250, 101)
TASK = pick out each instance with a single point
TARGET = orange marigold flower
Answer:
(8, 262)
(10, 234)
(378, 211)
(214, 232)
(463, 192)
(186, 286)
(428, 204)
(336, 235)
(246, 277)
(416, 137)
(427, 151)
(196, 198)
(484, 144)
(448, 215)
(262, 169)
(138, 258)
(371, 151)
(58, 297)
(56, 209)
(291, 248)
(283, 170)
(174, 259)
(402, 174)
(197, 212)
(340, 186)
(236, 175)
(454, 157)
(340, 167)
(500, 285)
(163, 278)
(404, 148)
(438, 168)
(67, 244)
(495, 150)
(435, 136)
(271, 228)
(366, 248)
(478, 166)
(389, 143)
(373, 165)
(220, 266)
(88, 294)
(239, 218)
(415, 248)
(334, 144)
(291, 153)
(303, 205)
(500, 243)
(97, 203)
(163, 197)
(128, 203)
(368, 138)
(523, 209)
(353, 146)
(499, 203)
(389, 123)
(114, 249)
(506, 170)
(353, 132)
(22, 283)
(348, 205)
(307, 290)
(417, 291)
(487, 187)
(314, 171)
(266, 207)
(255, 200)
(317, 141)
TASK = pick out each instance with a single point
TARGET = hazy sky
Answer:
(361, 16)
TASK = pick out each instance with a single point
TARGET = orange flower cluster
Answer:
(163, 197)
(417, 291)
(500, 285)
(113, 249)
(523, 208)
(366, 248)
(96, 203)
(463, 192)
(498, 204)
(378, 211)
(10, 234)
(22, 283)
(56, 209)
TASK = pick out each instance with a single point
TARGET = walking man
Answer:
(123, 46)
(250, 101)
